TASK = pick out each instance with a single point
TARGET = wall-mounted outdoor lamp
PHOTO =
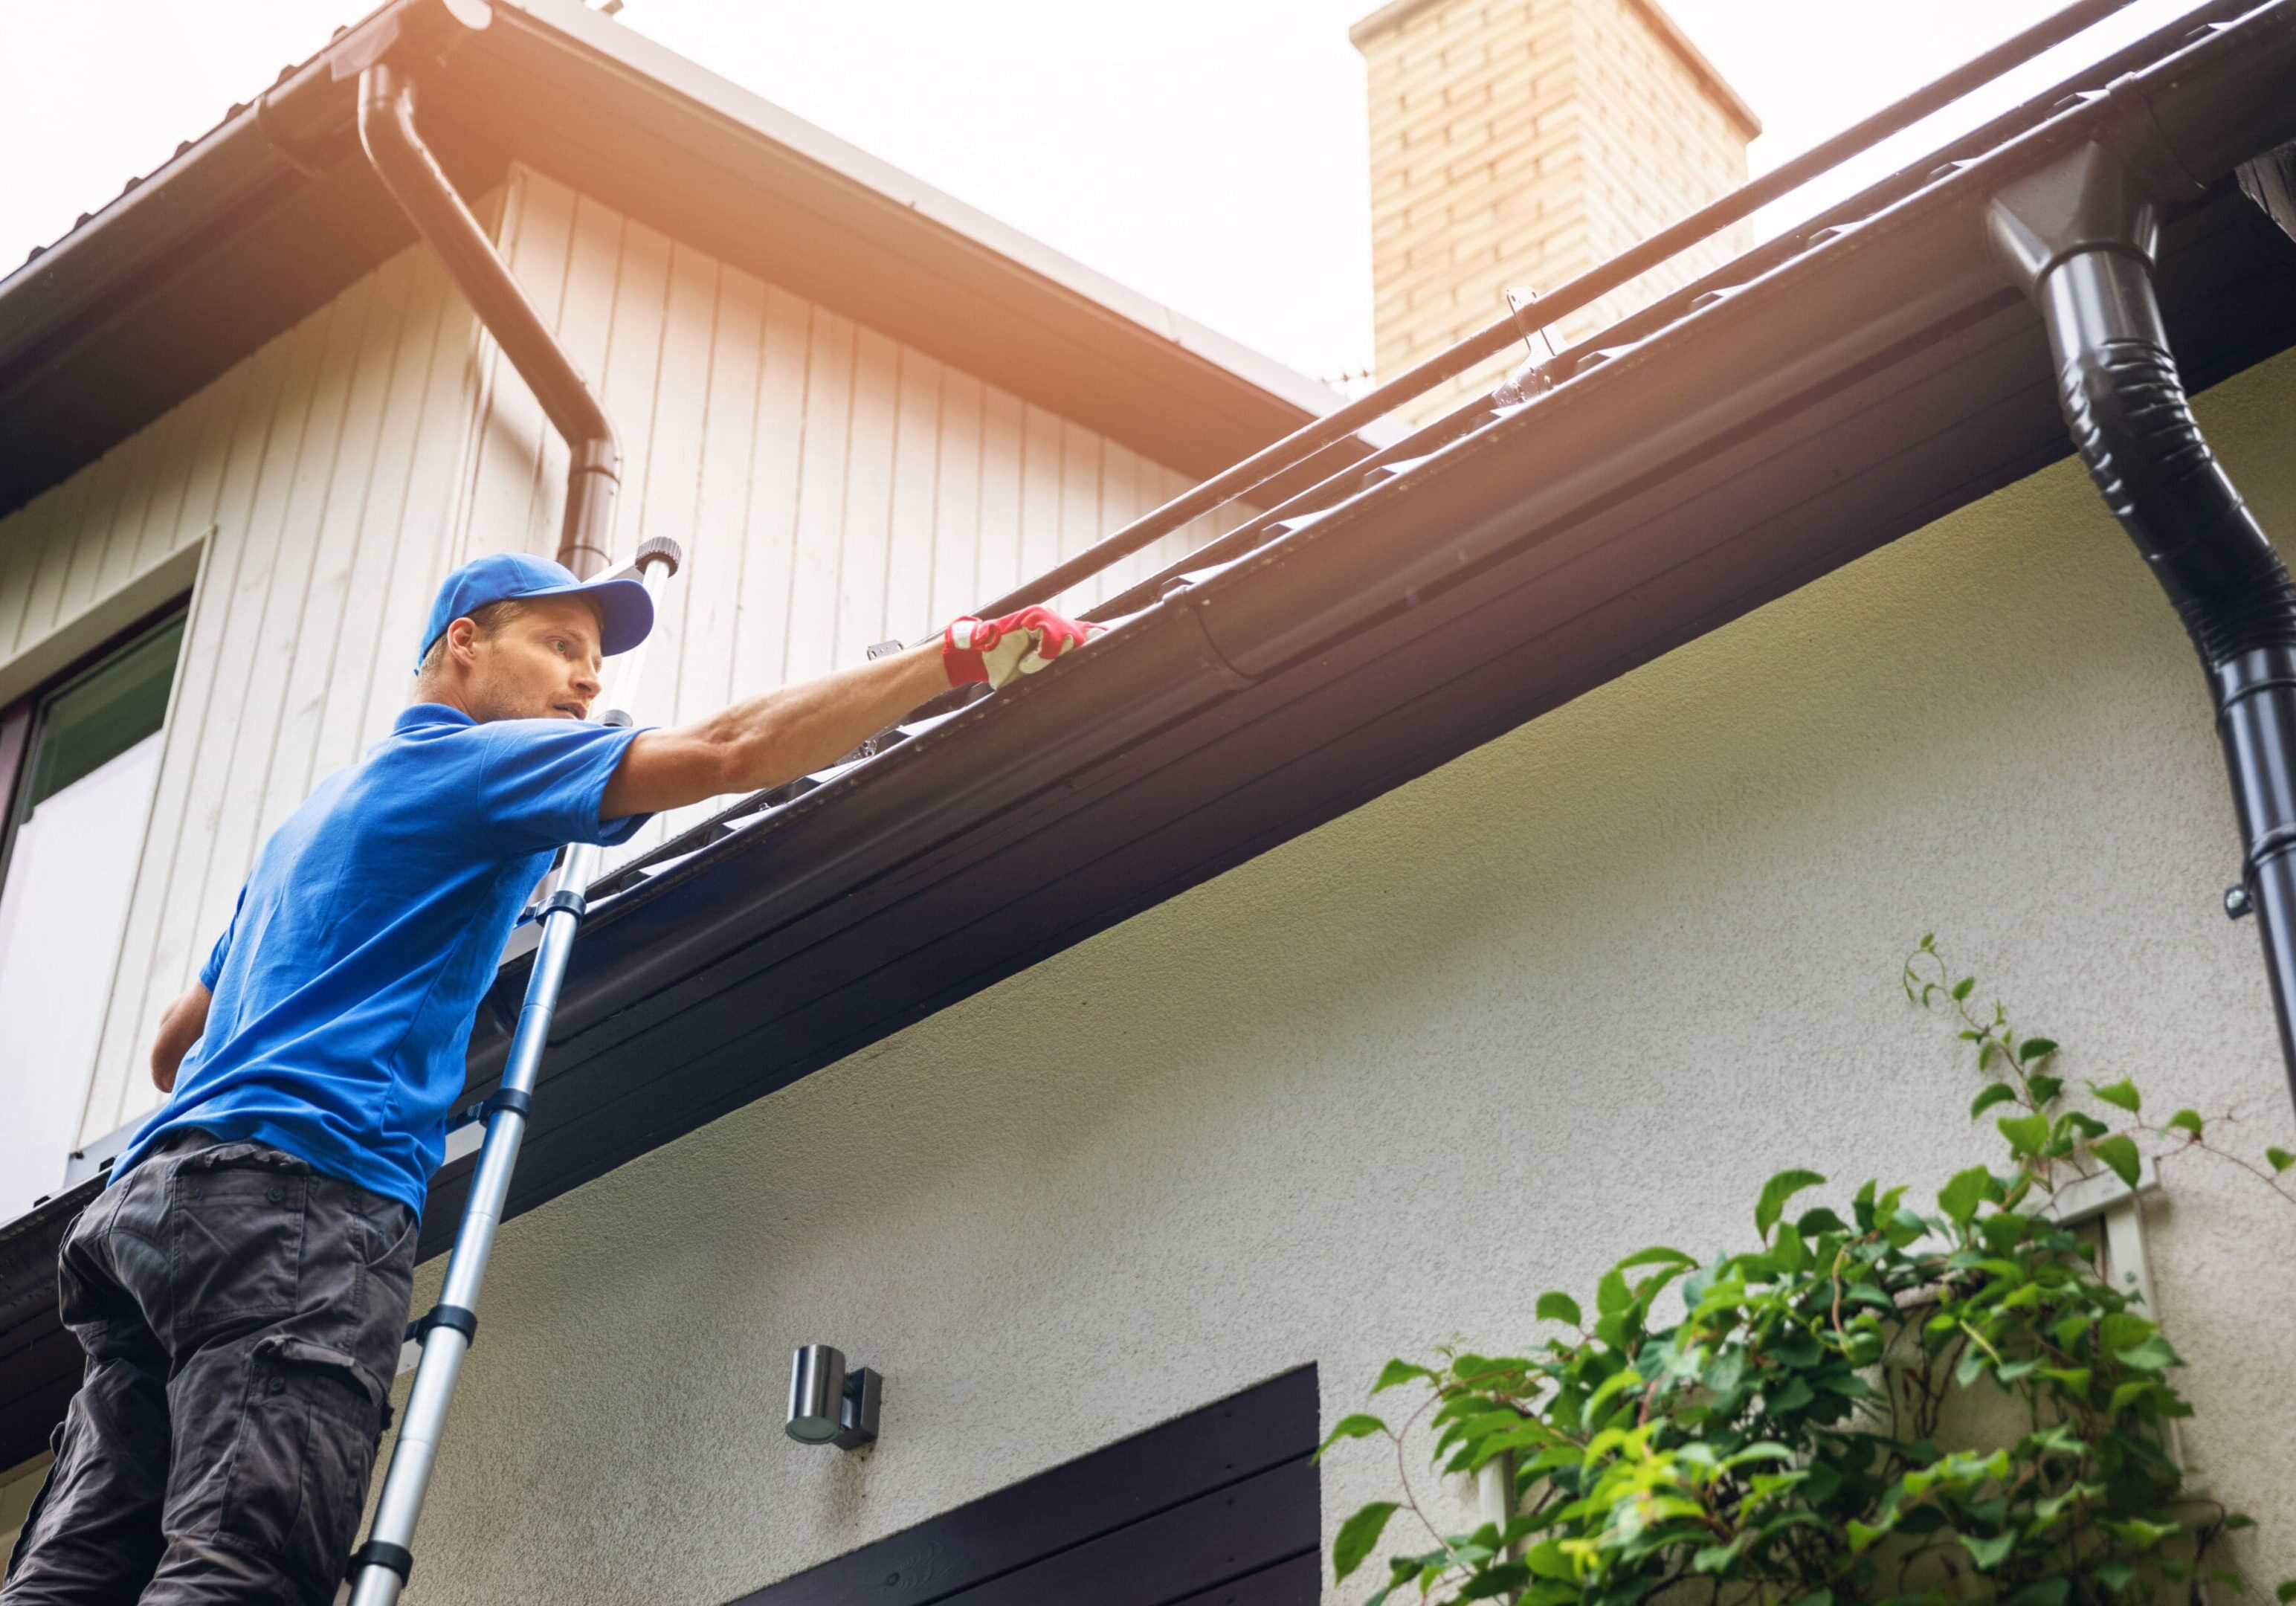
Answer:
(828, 1405)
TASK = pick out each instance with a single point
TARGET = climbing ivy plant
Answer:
(1885, 1399)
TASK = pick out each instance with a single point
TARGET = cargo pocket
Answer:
(304, 1448)
(235, 1240)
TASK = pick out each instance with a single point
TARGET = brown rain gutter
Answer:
(386, 126)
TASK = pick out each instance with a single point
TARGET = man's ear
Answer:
(462, 639)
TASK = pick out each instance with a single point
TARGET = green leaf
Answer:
(1358, 1535)
(1399, 1371)
(1962, 988)
(2287, 1591)
(1998, 1092)
(2113, 1574)
(2127, 1395)
(1819, 1220)
(1560, 1307)
(1714, 1558)
(2025, 1133)
(2120, 1152)
(2122, 1095)
(1990, 1553)
(1960, 1198)
(1358, 1426)
(2033, 1048)
(2186, 1120)
(1658, 1255)
(1861, 1537)
(2280, 1159)
(1775, 1191)
(1795, 1393)
(1502, 1579)
(1615, 1384)
(1610, 1295)
(2154, 1355)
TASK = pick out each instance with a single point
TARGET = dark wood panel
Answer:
(1197, 1483)
(1293, 1583)
(1223, 1535)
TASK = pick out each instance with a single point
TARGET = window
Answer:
(77, 761)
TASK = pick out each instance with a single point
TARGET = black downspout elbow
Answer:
(2079, 238)
(386, 126)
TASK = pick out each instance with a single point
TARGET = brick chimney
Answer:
(1521, 143)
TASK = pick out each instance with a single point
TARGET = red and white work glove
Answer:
(998, 650)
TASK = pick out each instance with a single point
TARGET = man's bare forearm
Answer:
(180, 1027)
(764, 741)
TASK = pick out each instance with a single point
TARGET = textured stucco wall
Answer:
(1632, 959)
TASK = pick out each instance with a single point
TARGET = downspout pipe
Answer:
(2079, 238)
(408, 170)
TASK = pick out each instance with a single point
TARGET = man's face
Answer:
(541, 663)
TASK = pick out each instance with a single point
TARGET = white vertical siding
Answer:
(328, 465)
(832, 488)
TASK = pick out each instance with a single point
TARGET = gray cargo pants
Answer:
(241, 1315)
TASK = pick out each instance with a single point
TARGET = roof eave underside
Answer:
(268, 216)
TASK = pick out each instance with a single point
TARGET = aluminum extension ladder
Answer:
(380, 1568)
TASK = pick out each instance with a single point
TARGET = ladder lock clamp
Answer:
(382, 1552)
(454, 1318)
(512, 1100)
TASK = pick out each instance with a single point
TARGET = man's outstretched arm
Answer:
(179, 1027)
(764, 740)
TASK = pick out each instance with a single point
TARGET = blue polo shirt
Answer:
(347, 982)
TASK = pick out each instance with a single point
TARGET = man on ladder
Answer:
(241, 1286)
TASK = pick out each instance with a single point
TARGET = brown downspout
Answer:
(386, 126)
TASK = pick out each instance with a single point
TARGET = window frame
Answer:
(20, 715)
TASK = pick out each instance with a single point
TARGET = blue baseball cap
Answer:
(498, 577)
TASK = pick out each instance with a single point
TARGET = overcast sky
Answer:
(1210, 153)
